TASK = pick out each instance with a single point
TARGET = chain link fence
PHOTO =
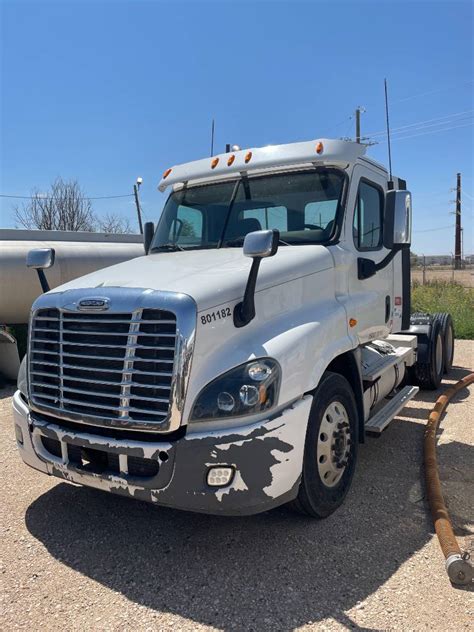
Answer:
(435, 272)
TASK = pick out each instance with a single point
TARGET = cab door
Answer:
(371, 299)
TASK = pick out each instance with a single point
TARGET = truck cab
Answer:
(239, 362)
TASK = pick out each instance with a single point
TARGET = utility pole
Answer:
(457, 237)
(136, 186)
(357, 115)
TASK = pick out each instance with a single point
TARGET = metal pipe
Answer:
(458, 567)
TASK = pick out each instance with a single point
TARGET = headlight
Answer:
(21, 382)
(248, 389)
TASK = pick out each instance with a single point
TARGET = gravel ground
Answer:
(78, 559)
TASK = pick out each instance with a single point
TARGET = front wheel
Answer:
(330, 449)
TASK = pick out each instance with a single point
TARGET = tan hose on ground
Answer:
(458, 566)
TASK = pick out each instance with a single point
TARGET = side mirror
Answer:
(257, 245)
(148, 233)
(397, 222)
(261, 243)
(40, 259)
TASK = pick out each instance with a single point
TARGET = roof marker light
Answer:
(319, 148)
(231, 160)
(214, 163)
(248, 156)
(167, 173)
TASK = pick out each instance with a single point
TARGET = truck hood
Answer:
(210, 277)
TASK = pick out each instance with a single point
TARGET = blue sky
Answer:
(105, 91)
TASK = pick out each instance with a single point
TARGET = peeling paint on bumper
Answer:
(267, 457)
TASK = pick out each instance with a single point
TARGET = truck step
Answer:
(377, 424)
(375, 369)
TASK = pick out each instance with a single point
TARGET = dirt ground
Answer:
(433, 273)
(77, 559)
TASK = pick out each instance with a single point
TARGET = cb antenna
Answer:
(388, 134)
(212, 138)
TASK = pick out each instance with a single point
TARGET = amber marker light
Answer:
(214, 163)
(231, 160)
(352, 322)
(319, 148)
(248, 156)
(167, 173)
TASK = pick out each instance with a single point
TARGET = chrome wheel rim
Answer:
(439, 354)
(334, 443)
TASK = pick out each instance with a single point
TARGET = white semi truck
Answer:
(194, 378)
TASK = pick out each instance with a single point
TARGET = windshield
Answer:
(302, 205)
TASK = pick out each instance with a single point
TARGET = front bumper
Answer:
(266, 456)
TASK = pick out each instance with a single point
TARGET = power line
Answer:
(430, 230)
(46, 197)
(416, 128)
(422, 94)
(454, 88)
(428, 123)
(434, 131)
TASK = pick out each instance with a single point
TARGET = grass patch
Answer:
(446, 296)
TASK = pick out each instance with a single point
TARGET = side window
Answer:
(271, 217)
(367, 226)
(188, 225)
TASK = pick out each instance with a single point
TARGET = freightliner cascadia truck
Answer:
(236, 365)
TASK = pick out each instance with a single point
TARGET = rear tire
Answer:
(447, 332)
(428, 375)
(330, 450)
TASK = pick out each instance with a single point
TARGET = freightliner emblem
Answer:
(94, 304)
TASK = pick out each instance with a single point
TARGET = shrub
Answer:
(446, 296)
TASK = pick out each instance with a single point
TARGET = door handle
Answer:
(387, 308)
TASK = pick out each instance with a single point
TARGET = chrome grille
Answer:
(116, 366)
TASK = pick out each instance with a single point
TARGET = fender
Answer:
(421, 328)
(348, 365)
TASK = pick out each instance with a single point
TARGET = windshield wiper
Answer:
(240, 242)
(170, 247)
(234, 242)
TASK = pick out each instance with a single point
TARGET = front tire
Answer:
(330, 449)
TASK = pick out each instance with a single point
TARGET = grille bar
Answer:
(94, 369)
(162, 387)
(133, 385)
(101, 357)
(109, 333)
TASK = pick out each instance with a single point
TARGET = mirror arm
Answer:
(244, 312)
(366, 268)
(43, 280)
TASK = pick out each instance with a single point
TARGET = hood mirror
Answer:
(257, 245)
(41, 259)
(148, 235)
(261, 243)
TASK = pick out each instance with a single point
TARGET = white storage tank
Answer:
(77, 253)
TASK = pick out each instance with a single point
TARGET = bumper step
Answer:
(377, 424)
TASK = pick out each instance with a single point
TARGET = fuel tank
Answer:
(77, 253)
